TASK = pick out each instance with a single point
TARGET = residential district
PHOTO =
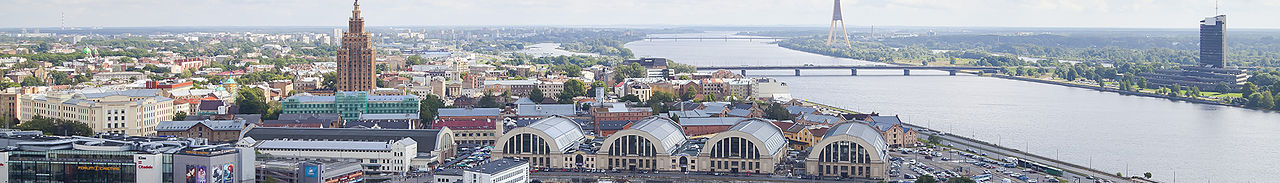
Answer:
(424, 113)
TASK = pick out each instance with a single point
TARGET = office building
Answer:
(1213, 42)
(1211, 74)
(108, 158)
(350, 105)
(132, 112)
(355, 57)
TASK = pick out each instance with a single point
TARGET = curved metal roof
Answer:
(563, 131)
(861, 131)
(667, 131)
(764, 130)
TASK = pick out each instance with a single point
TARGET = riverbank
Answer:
(1122, 92)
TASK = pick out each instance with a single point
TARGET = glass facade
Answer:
(350, 105)
(71, 166)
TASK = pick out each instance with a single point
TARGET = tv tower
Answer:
(831, 35)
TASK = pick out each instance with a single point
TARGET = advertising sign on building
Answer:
(197, 174)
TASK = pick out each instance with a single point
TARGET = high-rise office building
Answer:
(355, 58)
(1213, 41)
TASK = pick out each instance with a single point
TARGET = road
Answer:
(1072, 172)
(664, 176)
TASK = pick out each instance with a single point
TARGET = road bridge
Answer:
(717, 38)
(853, 69)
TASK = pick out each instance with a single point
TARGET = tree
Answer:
(598, 84)
(414, 60)
(5, 85)
(926, 179)
(635, 70)
(572, 88)
(1262, 100)
(1147, 175)
(181, 115)
(274, 108)
(688, 94)
(56, 126)
(251, 101)
(935, 139)
(1194, 92)
(536, 95)
(330, 79)
(32, 81)
(1248, 89)
(1176, 91)
(429, 108)
(775, 111)
(630, 98)
(489, 101)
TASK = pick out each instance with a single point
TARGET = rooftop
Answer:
(499, 165)
(332, 144)
(472, 112)
(426, 139)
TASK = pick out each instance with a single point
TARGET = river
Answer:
(1175, 141)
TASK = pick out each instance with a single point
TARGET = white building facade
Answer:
(131, 112)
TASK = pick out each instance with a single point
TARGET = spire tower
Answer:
(355, 57)
(836, 17)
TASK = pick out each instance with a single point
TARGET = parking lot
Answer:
(908, 164)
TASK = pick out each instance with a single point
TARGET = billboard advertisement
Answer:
(224, 174)
(197, 174)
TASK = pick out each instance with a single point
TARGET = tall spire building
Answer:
(355, 57)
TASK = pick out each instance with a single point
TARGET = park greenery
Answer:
(607, 47)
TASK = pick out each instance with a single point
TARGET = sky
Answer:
(940, 13)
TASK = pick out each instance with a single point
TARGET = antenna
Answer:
(63, 21)
(1216, 4)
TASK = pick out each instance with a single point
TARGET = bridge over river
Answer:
(853, 69)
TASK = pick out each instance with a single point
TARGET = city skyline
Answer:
(961, 13)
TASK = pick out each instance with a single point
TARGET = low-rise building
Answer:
(471, 131)
(213, 130)
(849, 150)
(385, 121)
(308, 171)
(706, 126)
(895, 133)
(433, 146)
(498, 171)
(305, 120)
(376, 156)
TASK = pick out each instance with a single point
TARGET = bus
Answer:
(1039, 167)
(983, 177)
